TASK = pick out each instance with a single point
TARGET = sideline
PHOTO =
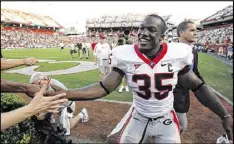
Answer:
(222, 96)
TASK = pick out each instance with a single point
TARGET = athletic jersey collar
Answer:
(158, 57)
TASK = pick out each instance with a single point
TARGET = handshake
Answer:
(38, 104)
(51, 103)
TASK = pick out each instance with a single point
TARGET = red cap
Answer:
(102, 36)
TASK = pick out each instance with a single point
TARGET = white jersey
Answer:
(72, 47)
(61, 44)
(102, 51)
(152, 81)
(86, 45)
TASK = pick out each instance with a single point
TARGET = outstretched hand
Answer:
(50, 104)
(30, 61)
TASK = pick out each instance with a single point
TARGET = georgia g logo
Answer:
(167, 122)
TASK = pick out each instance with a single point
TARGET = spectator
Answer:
(221, 51)
(215, 34)
(66, 117)
(38, 104)
(230, 50)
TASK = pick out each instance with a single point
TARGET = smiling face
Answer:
(149, 33)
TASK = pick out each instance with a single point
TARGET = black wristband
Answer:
(198, 87)
(106, 90)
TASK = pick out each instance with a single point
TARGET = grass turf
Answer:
(215, 73)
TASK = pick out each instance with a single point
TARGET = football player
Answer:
(61, 45)
(152, 70)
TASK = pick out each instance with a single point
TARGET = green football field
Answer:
(216, 73)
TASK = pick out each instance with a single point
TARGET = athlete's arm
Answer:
(203, 93)
(207, 98)
(99, 89)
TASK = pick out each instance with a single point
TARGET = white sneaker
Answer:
(126, 89)
(120, 89)
(85, 116)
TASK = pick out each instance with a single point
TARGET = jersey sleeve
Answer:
(188, 56)
(116, 61)
(187, 60)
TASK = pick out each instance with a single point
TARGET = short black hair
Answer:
(183, 26)
(163, 23)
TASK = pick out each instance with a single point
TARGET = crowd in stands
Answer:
(26, 38)
(227, 11)
(129, 19)
(23, 38)
(216, 35)
(8, 15)
(218, 40)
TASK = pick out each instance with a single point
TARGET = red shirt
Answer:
(93, 45)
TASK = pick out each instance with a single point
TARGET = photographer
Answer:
(124, 39)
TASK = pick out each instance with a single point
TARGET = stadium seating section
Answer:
(110, 26)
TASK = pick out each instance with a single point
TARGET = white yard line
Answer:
(82, 67)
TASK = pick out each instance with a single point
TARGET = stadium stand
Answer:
(23, 18)
(113, 26)
(223, 15)
(217, 31)
(27, 30)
